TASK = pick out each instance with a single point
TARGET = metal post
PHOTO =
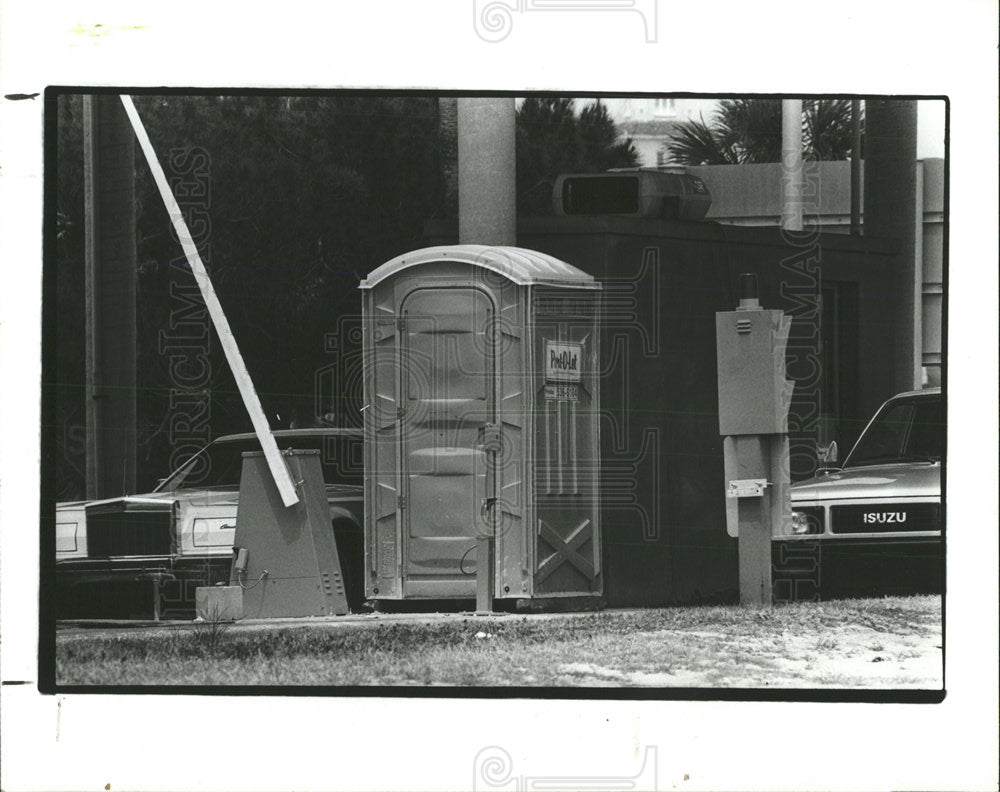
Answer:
(856, 167)
(110, 289)
(156, 598)
(484, 575)
(753, 463)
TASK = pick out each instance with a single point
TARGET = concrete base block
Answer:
(219, 603)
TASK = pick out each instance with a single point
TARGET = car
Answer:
(143, 556)
(875, 525)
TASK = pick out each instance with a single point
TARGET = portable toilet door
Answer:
(446, 383)
(450, 422)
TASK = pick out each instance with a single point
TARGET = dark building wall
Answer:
(663, 508)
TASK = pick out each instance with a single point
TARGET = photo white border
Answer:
(72, 742)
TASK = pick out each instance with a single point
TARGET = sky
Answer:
(930, 117)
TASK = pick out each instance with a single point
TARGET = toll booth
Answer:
(481, 420)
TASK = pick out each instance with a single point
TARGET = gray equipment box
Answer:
(481, 419)
(754, 395)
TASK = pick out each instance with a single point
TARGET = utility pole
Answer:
(792, 176)
(487, 215)
(486, 181)
(110, 264)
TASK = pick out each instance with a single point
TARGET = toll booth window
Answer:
(601, 195)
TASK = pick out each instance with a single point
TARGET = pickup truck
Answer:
(875, 525)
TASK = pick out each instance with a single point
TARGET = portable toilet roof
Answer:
(520, 265)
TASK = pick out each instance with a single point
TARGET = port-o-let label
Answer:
(563, 361)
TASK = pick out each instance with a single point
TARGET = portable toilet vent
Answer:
(481, 418)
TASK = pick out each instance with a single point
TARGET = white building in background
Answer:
(660, 108)
(649, 121)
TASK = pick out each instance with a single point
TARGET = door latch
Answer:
(489, 437)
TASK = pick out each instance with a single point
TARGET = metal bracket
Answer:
(747, 488)
(485, 549)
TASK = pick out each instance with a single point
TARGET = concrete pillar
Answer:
(448, 154)
(855, 167)
(487, 213)
(110, 262)
(890, 211)
(792, 178)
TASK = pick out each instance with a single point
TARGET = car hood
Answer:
(220, 497)
(203, 497)
(912, 479)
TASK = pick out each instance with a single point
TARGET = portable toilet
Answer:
(481, 418)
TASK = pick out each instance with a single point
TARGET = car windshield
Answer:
(220, 464)
(908, 430)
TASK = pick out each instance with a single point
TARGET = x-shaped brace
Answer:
(565, 550)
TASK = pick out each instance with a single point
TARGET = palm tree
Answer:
(828, 129)
(745, 131)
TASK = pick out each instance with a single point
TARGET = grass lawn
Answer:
(867, 643)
